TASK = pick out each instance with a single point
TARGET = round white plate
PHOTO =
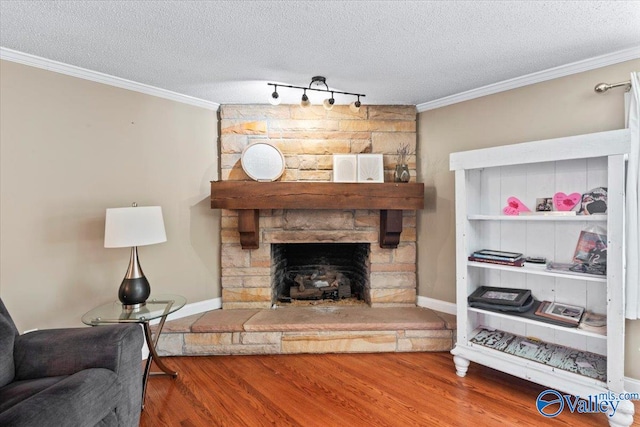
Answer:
(262, 162)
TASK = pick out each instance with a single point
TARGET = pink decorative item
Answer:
(563, 202)
(514, 207)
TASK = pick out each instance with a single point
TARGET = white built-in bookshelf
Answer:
(484, 180)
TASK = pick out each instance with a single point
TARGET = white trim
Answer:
(193, 308)
(600, 144)
(631, 385)
(437, 305)
(540, 76)
(95, 76)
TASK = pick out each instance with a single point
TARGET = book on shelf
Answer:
(594, 322)
(497, 255)
(574, 268)
(570, 314)
(517, 263)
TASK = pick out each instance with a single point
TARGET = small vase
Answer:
(401, 173)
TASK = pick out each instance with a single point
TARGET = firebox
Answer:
(320, 272)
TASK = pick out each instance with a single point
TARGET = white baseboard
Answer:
(631, 385)
(437, 305)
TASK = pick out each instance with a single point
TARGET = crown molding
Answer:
(529, 79)
(83, 73)
(541, 76)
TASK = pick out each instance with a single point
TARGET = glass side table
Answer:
(156, 307)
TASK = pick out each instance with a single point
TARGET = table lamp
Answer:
(132, 227)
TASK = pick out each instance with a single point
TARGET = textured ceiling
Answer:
(396, 52)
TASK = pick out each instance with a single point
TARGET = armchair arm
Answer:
(53, 352)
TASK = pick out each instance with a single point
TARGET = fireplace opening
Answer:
(320, 273)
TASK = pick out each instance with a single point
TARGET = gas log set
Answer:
(324, 283)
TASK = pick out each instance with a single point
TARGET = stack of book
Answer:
(498, 257)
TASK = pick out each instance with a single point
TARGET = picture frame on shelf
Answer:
(370, 168)
(345, 168)
(544, 204)
(560, 312)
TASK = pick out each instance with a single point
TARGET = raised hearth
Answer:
(309, 330)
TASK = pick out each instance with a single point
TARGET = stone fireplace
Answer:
(307, 229)
(308, 138)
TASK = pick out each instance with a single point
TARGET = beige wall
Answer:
(556, 108)
(69, 149)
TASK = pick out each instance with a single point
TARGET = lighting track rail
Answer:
(328, 103)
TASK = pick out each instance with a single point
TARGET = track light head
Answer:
(355, 105)
(304, 102)
(274, 99)
(328, 103)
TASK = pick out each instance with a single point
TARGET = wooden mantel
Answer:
(248, 197)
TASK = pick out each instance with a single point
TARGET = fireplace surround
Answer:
(316, 212)
(308, 138)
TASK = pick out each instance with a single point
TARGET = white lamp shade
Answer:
(134, 226)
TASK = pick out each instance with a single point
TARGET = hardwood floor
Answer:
(381, 389)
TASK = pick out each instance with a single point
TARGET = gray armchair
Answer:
(70, 377)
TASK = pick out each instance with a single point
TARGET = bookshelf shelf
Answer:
(572, 218)
(510, 317)
(539, 271)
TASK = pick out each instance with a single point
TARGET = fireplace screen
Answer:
(320, 272)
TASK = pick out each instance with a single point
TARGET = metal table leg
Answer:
(153, 356)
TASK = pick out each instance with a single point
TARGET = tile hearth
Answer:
(289, 330)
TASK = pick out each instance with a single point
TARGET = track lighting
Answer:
(328, 103)
(275, 98)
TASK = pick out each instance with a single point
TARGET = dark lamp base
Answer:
(134, 291)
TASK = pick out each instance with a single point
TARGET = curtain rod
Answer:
(603, 87)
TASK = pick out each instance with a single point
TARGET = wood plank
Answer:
(316, 195)
(383, 389)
